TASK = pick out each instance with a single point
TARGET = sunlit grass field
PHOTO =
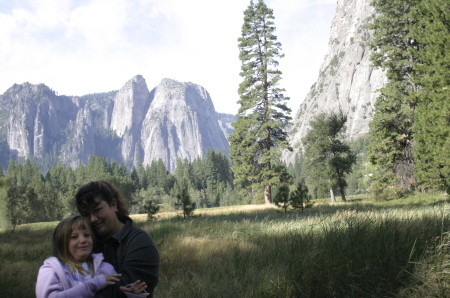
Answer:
(356, 249)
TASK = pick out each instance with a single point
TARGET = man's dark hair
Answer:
(92, 193)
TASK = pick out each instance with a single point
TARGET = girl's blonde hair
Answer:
(61, 238)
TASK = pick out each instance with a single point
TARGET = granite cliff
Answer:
(174, 120)
(346, 80)
(178, 119)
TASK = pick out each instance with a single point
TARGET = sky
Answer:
(77, 47)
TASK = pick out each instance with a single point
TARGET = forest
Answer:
(34, 196)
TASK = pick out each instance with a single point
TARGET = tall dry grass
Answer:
(341, 250)
(349, 253)
(21, 254)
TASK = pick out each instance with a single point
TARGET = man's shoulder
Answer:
(133, 233)
(136, 232)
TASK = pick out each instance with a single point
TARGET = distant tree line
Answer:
(27, 194)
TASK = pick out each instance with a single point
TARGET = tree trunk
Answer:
(267, 195)
(343, 195)
(333, 199)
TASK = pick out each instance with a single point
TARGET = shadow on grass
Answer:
(360, 250)
(351, 256)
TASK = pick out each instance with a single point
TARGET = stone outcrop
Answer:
(225, 123)
(34, 119)
(346, 80)
(181, 123)
(130, 106)
(174, 120)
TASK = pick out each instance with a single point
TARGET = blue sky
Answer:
(78, 47)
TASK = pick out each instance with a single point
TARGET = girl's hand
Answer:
(137, 287)
(112, 279)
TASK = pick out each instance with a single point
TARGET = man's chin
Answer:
(98, 229)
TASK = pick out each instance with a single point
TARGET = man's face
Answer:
(103, 219)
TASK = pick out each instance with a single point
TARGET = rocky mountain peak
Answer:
(174, 120)
(130, 104)
(183, 114)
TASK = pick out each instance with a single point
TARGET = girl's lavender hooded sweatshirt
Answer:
(56, 281)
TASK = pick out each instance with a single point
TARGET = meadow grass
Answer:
(356, 249)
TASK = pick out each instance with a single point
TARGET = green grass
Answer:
(357, 249)
(22, 252)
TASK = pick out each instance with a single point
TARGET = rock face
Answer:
(225, 122)
(174, 120)
(130, 106)
(181, 122)
(33, 120)
(178, 120)
(346, 81)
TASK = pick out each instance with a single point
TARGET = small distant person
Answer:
(129, 249)
(74, 271)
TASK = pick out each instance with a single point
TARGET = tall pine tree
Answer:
(391, 127)
(432, 119)
(260, 128)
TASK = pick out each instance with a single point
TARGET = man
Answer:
(129, 249)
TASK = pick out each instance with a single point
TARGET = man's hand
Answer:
(137, 287)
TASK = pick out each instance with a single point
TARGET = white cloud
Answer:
(79, 47)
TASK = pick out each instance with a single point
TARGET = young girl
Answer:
(74, 271)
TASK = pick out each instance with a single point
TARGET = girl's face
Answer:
(80, 245)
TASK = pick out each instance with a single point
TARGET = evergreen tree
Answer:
(391, 126)
(295, 169)
(299, 197)
(281, 198)
(135, 177)
(151, 208)
(101, 167)
(4, 222)
(90, 173)
(165, 179)
(152, 174)
(260, 128)
(226, 175)
(80, 174)
(184, 202)
(183, 170)
(143, 179)
(12, 172)
(114, 168)
(60, 187)
(179, 168)
(359, 179)
(432, 118)
(16, 205)
(198, 175)
(211, 169)
(328, 158)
